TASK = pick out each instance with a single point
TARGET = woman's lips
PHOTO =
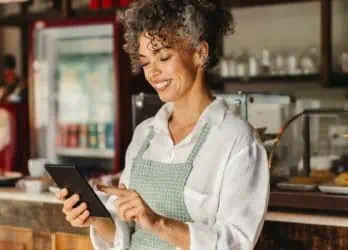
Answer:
(160, 86)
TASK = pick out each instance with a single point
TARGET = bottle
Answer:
(92, 135)
(101, 135)
(109, 131)
(83, 135)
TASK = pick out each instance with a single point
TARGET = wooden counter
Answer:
(36, 222)
(309, 200)
(38, 219)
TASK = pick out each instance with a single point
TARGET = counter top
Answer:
(279, 215)
(309, 218)
(20, 195)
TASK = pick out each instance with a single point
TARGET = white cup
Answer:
(35, 186)
(36, 167)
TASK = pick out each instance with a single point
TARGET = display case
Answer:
(76, 98)
(339, 45)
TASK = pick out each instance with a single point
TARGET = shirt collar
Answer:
(214, 115)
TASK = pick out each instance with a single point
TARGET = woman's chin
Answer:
(165, 97)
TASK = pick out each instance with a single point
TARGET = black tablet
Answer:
(68, 176)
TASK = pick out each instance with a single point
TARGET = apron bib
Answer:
(162, 185)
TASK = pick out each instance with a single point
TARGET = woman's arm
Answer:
(105, 228)
(173, 231)
(132, 207)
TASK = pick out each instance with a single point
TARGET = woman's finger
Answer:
(114, 191)
(61, 194)
(76, 212)
(132, 213)
(80, 221)
(119, 202)
(70, 202)
(127, 206)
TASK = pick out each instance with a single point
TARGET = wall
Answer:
(287, 28)
(284, 28)
(10, 36)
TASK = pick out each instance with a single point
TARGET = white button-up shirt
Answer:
(227, 191)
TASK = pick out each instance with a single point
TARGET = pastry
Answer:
(301, 180)
(322, 176)
(342, 179)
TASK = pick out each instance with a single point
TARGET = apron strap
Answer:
(201, 139)
(146, 143)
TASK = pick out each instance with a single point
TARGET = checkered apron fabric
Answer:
(162, 185)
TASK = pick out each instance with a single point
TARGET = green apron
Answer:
(162, 185)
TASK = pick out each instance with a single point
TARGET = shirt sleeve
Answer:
(122, 235)
(124, 229)
(242, 207)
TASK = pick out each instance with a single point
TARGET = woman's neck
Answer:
(188, 110)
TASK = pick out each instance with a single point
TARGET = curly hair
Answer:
(170, 21)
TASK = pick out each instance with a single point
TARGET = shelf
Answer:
(86, 152)
(251, 3)
(268, 79)
(23, 20)
(87, 12)
(339, 79)
(54, 14)
(308, 200)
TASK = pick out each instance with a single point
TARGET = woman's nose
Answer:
(154, 70)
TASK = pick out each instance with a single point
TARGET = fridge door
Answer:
(76, 99)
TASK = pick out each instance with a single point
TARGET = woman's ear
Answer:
(202, 53)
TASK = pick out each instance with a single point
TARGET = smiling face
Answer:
(172, 72)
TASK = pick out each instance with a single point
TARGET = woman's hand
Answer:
(78, 216)
(132, 207)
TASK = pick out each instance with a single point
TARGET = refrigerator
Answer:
(80, 106)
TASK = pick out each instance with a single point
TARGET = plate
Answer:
(9, 178)
(332, 189)
(296, 187)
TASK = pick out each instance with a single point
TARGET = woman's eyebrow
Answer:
(154, 51)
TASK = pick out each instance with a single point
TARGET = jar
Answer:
(224, 67)
(292, 65)
(253, 66)
(265, 62)
(232, 66)
(309, 61)
(279, 64)
(242, 61)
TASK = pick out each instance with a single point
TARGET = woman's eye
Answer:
(144, 65)
(163, 59)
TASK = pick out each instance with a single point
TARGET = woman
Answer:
(196, 176)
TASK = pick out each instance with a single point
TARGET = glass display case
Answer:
(76, 95)
(339, 43)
